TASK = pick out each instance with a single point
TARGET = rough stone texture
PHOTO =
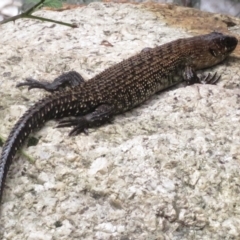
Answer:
(166, 170)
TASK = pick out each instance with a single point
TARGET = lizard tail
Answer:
(24, 126)
(35, 117)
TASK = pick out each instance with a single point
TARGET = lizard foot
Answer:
(68, 79)
(32, 83)
(80, 125)
(101, 115)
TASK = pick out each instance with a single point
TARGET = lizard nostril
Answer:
(230, 43)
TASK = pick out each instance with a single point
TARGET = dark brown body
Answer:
(120, 88)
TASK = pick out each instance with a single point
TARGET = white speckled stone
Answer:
(38, 235)
(99, 165)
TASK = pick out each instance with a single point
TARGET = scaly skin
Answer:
(117, 89)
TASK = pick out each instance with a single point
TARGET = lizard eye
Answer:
(213, 52)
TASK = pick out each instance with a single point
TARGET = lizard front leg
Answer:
(69, 79)
(99, 116)
(191, 77)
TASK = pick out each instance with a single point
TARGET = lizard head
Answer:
(214, 48)
(221, 45)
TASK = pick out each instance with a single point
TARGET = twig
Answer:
(28, 14)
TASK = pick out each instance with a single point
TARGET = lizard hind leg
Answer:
(99, 116)
(69, 79)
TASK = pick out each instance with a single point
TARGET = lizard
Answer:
(121, 87)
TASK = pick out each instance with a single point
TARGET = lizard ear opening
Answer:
(213, 52)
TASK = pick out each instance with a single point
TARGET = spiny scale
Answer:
(117, 89)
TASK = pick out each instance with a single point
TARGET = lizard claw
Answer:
(68, 122)
(209, 79)
(80, 124)
(75, 131)
(32, 83)
(29, 82)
